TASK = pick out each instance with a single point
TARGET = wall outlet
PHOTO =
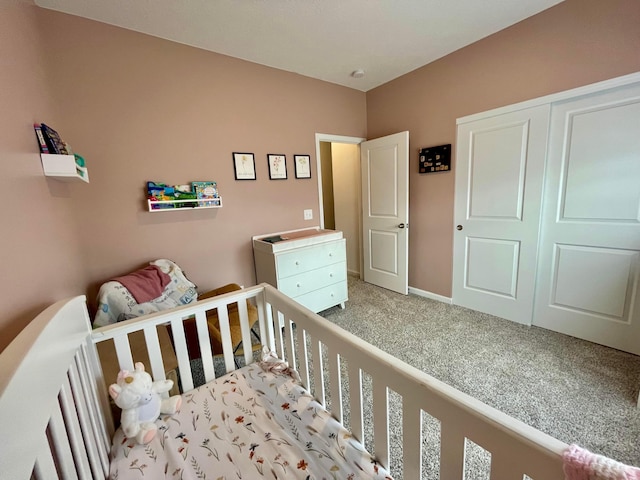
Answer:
(308, 214)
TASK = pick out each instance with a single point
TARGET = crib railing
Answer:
(332, 364)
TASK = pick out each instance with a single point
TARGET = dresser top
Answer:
(276, 242)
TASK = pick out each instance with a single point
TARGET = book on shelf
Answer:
(54, 141)
(207, 193)
(40, 137)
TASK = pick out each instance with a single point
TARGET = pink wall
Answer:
(139, 108)
(575, 43)
(38, 245)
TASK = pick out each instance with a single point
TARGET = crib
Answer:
(57, 422)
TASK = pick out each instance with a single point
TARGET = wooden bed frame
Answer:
(56, 420)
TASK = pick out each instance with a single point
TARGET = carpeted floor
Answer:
(574, 390)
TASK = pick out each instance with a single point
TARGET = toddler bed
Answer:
(256, 420)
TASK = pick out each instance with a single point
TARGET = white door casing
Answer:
(498, 188)
(385, 211)
(589, 266)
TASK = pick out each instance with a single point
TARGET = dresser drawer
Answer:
(306, 282)
(310, 258)
(325, 297)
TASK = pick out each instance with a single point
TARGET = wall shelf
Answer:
(159, 203)
(63, 167)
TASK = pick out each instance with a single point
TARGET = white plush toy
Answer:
(138, 397)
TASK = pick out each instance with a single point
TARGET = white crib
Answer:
(56, 419)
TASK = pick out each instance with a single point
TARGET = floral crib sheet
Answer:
(248, 424)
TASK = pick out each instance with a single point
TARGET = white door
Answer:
(385, 211)
(590, 246)
(498, 189)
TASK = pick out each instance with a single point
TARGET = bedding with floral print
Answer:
(248, 424)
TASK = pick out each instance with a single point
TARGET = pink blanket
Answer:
(581, 464)
(145, 284)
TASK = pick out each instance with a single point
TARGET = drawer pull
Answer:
(331, 254)
(298, 285)
(297, 263)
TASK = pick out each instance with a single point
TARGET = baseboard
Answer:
(430, 295)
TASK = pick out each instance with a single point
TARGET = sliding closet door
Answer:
(499, 178)
(588, 284)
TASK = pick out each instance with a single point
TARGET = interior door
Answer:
(498, 189)
(590, 244)
(385, 211)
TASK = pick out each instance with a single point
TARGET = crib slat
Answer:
(278, 331)
(262, 321)
(205, 346)
(101, 400)
(288, 329)
(45, 467)
(225, 333)
(381, 421)
(60, 442)
(71, 420)
(84, 420)
(245, 328)
(303, 369)
(318, 372)
(411, 438)
(335, 384)
(355, 401)
(182, 354)
(155, 354)
(270, 336)
(123, 352)
(451, 451)
(94, 439)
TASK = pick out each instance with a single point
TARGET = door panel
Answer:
(590, 243)
(499, 177)
(385, 216)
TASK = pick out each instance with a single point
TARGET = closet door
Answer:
(590, 245)
(499, 178)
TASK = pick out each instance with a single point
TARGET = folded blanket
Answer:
(116, 303)
(145, 284)
(581, 464)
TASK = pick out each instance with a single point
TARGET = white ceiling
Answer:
(323, 39)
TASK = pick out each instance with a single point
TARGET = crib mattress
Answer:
(251, 423)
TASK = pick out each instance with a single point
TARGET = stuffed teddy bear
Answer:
(138, 397)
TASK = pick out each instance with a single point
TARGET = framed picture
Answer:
(277, 166)
(244, 166)
(303, 166)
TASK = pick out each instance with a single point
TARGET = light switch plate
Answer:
(308, 214)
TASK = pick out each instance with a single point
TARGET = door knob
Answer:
(402, 225)
(459, 227)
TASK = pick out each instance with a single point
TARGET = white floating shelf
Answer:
(63, 167)
(176, 208)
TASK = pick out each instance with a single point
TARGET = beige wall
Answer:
(574, 43)
(328, 206)
(39, 242)
(140, 108)
(346, 195)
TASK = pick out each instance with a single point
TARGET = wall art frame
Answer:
(244, 166)
(303, 166)
(277, 166)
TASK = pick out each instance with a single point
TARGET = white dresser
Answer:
(308, 265)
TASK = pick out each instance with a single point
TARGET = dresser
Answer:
(308, 265)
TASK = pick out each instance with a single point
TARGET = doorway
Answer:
(338, 169)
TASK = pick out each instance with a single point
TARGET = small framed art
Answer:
(277, 166)
(303, 166)
(244, 166)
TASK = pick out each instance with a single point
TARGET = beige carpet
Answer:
(574, 390)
